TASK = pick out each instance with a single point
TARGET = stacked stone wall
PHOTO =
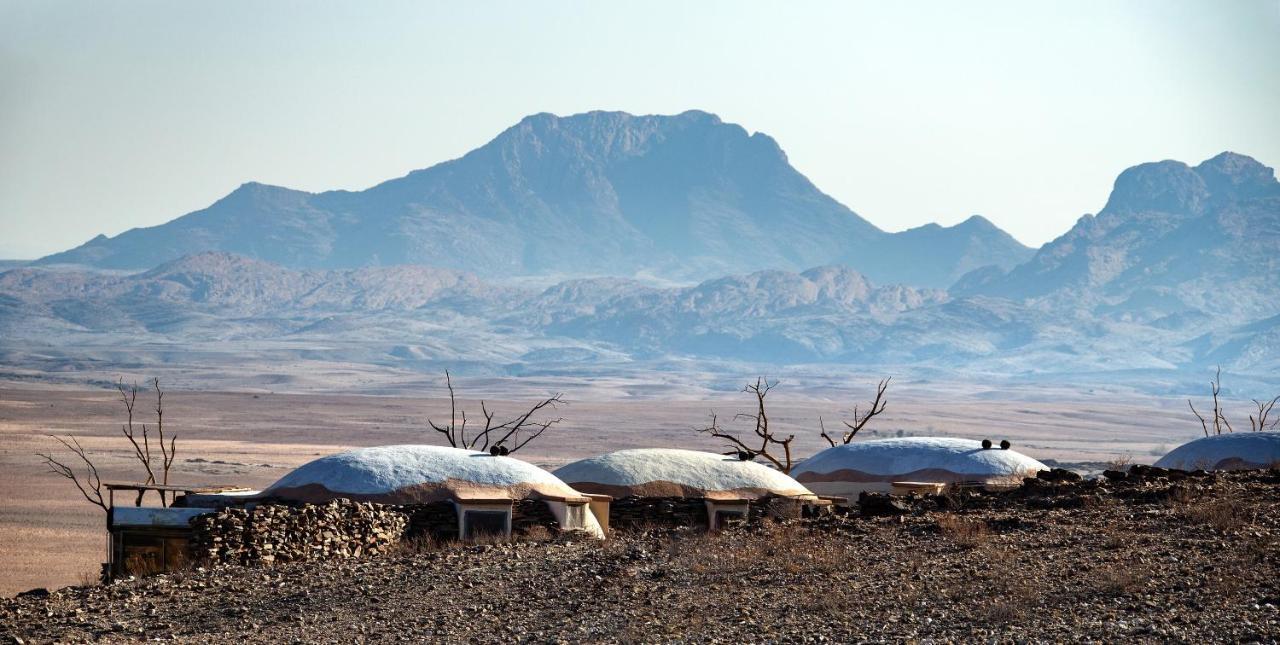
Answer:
(640, 512)
(270, 533)
(529, 513)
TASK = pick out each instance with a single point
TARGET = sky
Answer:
(123, 115)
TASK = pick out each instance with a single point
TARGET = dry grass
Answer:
(535, 533)
(1115, 539)
(965, 531)
(1223, 514)
(1121, 463)
(1008, 597)
(91, 578)
(1119, 579)
(419, 544)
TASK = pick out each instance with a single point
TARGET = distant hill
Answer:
(418, 316)
(1173, 240)
(602, 193)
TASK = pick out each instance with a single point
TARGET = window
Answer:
(147, 552)
(575, 516)
(729, 517)
(485, 523)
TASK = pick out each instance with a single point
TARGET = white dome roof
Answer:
(664, 472)
(928, 459)
(417, 473)
(1235, 451)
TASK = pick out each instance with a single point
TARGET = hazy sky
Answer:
(117, 115)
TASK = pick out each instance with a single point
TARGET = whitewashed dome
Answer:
(417, 474)
(1235, 451)
(875, 464)
(669, 472)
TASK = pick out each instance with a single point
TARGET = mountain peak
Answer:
(978, 222)
(1234, 175)
(1166, 186)
(619, 115)
(1235, 163)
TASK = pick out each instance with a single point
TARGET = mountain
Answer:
(602, 193)
(230, 285)
(1172, 240)
(972, 244)
(412, 316)
(1254, 347)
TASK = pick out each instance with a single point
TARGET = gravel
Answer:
(1151, 556)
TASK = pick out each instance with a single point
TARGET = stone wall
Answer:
(632, 512)
(437, 521)
(275, 532)
(271, 533)
(529, 513)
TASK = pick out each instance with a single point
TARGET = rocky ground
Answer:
(1152, 556)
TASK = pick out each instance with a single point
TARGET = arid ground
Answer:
(49, 537)
(1150, 557)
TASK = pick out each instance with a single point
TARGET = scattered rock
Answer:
(1058, 475)
(881, 505)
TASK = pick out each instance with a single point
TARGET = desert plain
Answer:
(50, 537)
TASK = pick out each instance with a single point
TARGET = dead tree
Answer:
(1259, 424)
(89, 484)
(768, 440)
(860, 419)
(1219, 419)
(455, 431)
(166, 453)
(139, 437)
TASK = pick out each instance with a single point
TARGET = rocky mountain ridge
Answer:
(412, 316)
(686, 196)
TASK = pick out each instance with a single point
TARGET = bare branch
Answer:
(1259, 424)
(167, 452)
(142, 451)
(519, 430)
(515, 426)
(448, 430)
(861, 419)
(1203, 423)
(823, 433)
(760, 389)
(90, 486)
(1218, 417)
(739, 448)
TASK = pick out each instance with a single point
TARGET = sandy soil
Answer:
(50, 538)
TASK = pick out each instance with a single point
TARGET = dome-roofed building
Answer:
(1235, 451)
(483, 489)
(702, 487)
(877, 465)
